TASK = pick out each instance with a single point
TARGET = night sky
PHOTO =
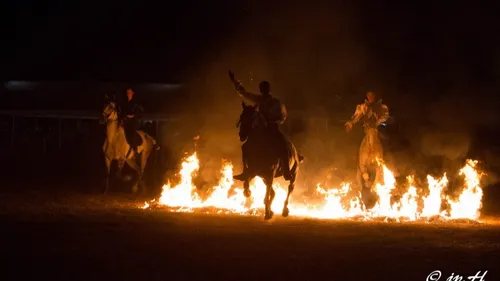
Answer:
(148, 42)
(112, 42)
(324, 53)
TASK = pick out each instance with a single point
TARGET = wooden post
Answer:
(156, 130)
(60, 133)
(157, 139)
(289, 127)
(44, 145)
(36, 134)
(13, 133)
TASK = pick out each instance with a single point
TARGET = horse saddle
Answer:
(134, 138)
(138, 139)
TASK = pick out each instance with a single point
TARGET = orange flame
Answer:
(229, 197)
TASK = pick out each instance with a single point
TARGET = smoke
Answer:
(307, 54)
(320, 60)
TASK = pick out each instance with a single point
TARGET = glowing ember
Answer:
(332, 203)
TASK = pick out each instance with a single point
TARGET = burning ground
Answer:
(429, 202)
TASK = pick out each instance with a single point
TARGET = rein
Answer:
(106, 116)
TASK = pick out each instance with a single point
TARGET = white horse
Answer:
(369, 171)
(371, 149)
(115, 146)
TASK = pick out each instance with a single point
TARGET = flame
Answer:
(329, 203)
(469, 202)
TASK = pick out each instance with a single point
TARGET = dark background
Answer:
(436, 65)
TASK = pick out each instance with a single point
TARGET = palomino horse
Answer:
(115, 146)
(263, 159)
(369, 170)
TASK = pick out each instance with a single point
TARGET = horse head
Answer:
(110, 110)
(246, 121)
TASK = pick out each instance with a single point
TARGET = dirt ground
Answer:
(88, 237)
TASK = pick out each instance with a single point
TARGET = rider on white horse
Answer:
(274, 113)
(372, 113)
(131, 116)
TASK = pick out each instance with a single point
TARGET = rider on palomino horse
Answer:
(274, 113)
(131, 114)
(373, 113)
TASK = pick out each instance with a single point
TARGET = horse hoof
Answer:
(269, 216)
(285, 212)
(247, 193)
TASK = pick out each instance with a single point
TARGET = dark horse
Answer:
(263, 158)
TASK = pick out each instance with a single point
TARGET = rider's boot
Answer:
(243, 175)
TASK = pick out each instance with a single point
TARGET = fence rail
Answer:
(76, 115)
(17, 116)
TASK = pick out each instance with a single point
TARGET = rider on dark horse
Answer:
(131, 114)
(274, 113)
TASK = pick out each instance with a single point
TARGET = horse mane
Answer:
(247, 112)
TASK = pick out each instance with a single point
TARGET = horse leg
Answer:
(291, 187)
(268, 199)
(378, 151)
(144, 160)
(363, 162)
(363, 173)
(286, 211)
(107, 160)
(121, 163)
(247, 192)
(246, 188)
(134, 166)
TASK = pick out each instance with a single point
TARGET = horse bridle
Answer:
(106, 116)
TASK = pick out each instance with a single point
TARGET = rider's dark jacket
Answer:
(131, 124)
(131, 108)
(273, 112)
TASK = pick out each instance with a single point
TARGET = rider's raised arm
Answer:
(248, 98)
(384, 114)
(360, 111)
